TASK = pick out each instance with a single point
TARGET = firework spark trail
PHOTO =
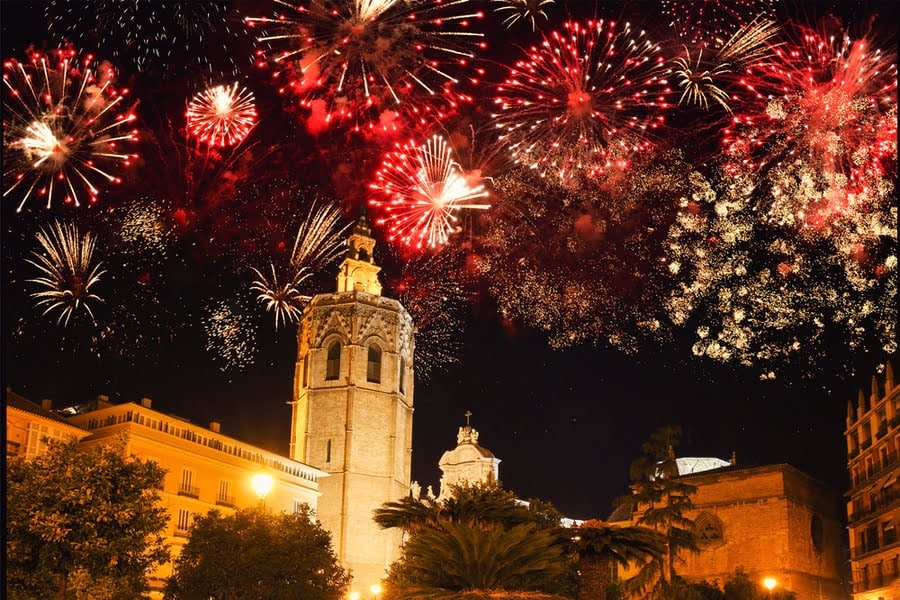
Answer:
(358, 59)
(230, 334)
(704, 80)
(530, 11)
(62, 129)
(67, 272)
(584, 101)
(421, 188)
(710, 23)
(221, 115)
(319, 242)
(148, 34)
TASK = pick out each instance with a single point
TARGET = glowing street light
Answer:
(354, 596)
(262, 485)
(375, 589)
(769, 583)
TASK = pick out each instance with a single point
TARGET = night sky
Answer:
(566, 422)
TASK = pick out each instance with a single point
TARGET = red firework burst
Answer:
(221, 115)
(421, 188)
(583, 101)
(365, 61)
(64, 128)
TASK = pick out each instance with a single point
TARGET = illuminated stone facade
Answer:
(353, 407)
(873, 506)
(771, 521)
(469, 462)
(30, 425)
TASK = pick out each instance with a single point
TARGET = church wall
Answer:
(766, 516)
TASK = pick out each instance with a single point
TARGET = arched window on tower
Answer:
(402, 371)
(333, 364)
(373, 370)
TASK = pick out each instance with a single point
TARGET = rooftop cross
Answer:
(468, 414)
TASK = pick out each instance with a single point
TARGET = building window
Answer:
(224, 497)
(402, 371)
(184, 523)
(709, 529)
(187, 484)
(305, 367)
(373, 372)
(328, 451)
(333, 364)
(297, 505)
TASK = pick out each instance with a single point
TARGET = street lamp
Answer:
(262, 485)
(354, 596)
(375, 589)
(769, 583)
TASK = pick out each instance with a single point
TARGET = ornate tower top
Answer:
(467, 434)
(358, 272)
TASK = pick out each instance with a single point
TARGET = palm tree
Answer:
(457, 556)
(600, 546)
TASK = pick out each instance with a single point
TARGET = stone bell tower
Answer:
(353, 407)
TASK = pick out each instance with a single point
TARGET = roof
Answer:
(688, 465)
(22, 403)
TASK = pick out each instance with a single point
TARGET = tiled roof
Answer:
(24, 404)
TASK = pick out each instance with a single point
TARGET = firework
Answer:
(64, 129)
(319, 241)
(701, 80)
(710, 23)
(421, 189)
(230, 334)
(366, 58)
(148, 34)
(819, 129)
(283, 299)
(514, 11)
(584, 100)
(221, 115)
(761, 296)
(582, 271)
(67, 272)
(437, 290)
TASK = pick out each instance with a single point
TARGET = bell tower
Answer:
(353, 405)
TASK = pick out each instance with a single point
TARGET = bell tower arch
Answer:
(353, 406)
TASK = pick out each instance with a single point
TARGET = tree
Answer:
(660, 500)
(453, 557)
(253, 554)
(480, 538)
(83, 523)
(598, 546)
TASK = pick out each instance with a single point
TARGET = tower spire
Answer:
(358, 272)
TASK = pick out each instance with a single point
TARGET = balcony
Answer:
(874, 582)
(228, 501)
(189, 491)
(179, 532)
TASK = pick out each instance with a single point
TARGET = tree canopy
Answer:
(254, 554)
(83, 522)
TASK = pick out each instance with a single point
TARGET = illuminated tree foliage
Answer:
(82, 523)
(659, 500)
(253, 554)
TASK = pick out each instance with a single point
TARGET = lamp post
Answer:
(262, 485)
(353, 596)
(769, 583)
(375, 589)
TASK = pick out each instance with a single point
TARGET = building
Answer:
(468, 463)
(353, 407)
(29, 426)
(873, 501)
(771, 521)
(205, 469)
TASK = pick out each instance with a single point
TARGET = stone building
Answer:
(771, 521)
(205, 468)
(29, 426)
(353, 407)
(469, 462)
(873, 501)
